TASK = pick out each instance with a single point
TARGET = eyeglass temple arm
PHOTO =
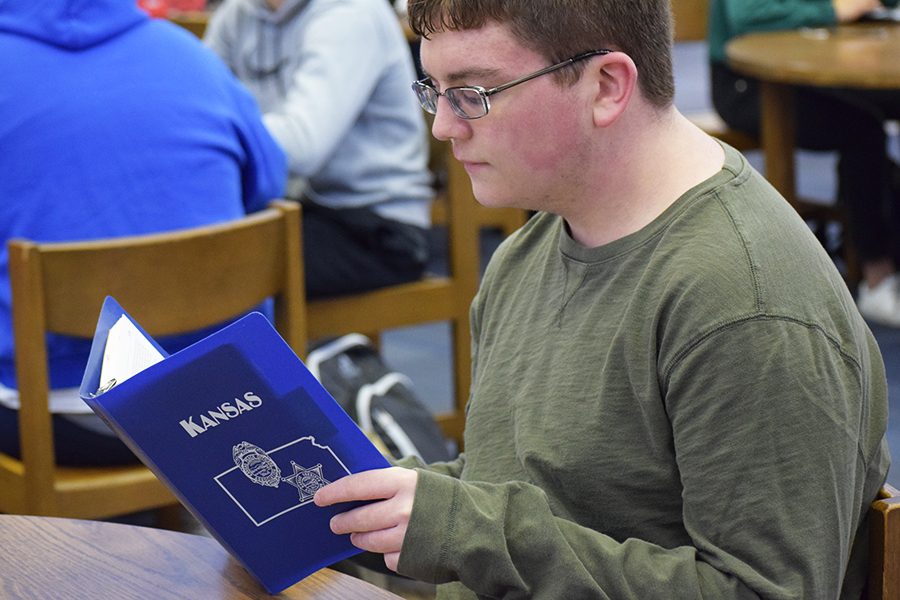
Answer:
(546, 70)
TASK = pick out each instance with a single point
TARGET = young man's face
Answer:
(529, 150)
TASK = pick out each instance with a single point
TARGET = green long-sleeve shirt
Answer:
(696, 410)
(731, 18)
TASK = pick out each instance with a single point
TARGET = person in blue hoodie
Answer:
(113, 124)
(332, 78)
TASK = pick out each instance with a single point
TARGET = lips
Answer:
(473, 167)
(467, 163)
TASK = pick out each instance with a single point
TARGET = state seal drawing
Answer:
(256, 464)
(254, 482)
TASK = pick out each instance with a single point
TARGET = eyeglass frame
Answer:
(422, 86)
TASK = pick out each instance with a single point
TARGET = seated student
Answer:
(113, 124)
(332, 79)
(674, 395)
(850, 122)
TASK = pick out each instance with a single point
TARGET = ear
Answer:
(614, 77)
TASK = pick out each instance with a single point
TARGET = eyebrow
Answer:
(468, 75)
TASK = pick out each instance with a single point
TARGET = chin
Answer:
(490, 197)
(504, 200)
(493, 201)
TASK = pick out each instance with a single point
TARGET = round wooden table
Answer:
(43, 557)
(847, 56)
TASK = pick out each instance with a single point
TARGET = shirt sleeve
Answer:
(772, 448)
(451, 468)
(264, 170)
(343, 55)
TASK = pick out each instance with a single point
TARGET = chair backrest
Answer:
(884, 546)
(171, 283)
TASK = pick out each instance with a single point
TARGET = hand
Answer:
(380, 526)
(852, 10)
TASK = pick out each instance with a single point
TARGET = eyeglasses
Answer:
(473, 101)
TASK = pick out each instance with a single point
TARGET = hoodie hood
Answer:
(69, 24)
(285, 12)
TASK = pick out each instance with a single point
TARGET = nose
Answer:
(446, 124)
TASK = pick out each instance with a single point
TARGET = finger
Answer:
(391, 560)
(377, 484)
(372, 517)
(383, 542)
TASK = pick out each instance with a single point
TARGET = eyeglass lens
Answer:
(427, 97)
(466, 102)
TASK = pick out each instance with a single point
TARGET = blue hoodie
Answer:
(114, 124)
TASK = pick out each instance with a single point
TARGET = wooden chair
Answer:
(884, 546)
(171, 283)
(432, 299)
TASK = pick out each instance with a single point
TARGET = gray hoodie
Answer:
(332, 78)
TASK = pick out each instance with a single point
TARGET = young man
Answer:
(332, 79)
(673, 394)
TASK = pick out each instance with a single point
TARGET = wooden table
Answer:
(848, 56)
(42, 557)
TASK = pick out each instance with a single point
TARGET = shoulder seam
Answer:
(754, 269)
(690, 345)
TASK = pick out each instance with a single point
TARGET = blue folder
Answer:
(243, 435)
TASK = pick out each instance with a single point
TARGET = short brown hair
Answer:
(559, 29)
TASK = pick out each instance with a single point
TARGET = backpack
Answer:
(381, 401)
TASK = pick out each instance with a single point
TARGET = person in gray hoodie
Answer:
(332, 78)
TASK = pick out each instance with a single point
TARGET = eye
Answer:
(467, 97)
